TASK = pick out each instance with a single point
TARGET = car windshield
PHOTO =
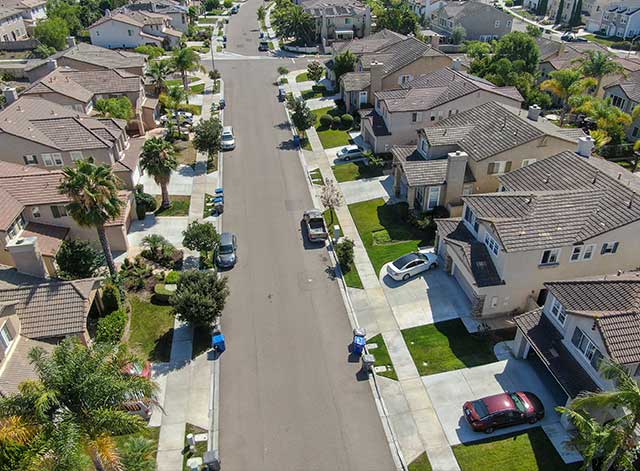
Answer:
(227, 137)
(481, 408)
(226, 249)
(402, 261)
(518, 402)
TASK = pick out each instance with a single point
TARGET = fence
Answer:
(22, 45)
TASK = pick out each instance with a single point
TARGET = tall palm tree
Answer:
(76, 405)
(598, 64)
(158, 160)
(158, 71)
(185, 60)
(610, 119)
(566, 83)
(93, 191)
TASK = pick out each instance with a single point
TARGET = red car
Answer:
(503, 410)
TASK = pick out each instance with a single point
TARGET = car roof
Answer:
(402, 261)
(226, 238)
(314, 212)
(499, 402)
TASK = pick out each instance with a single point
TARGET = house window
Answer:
(434, 197)
(587, 348)
(471, 219)
(363, 97)
(130, 33)
(558, 312)
(57, 159)
(467, 190)
(30, 159)
(58, 211)
(16, 227)
(496, 24)
(46, 158)
(550, 257)
(498, 168)
(609, 248)
(424, 146)
(347, 21)
(35, 212)
(526, 162)
(491, 244)
(618, 101)
(404, 79)
(6, 338)
(75, 155)
(582, 252)
(415, 117)
(433, 117)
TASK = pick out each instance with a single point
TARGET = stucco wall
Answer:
(115, 35)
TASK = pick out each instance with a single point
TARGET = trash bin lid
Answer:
(359, 340)
(218, 199)
(217, 338)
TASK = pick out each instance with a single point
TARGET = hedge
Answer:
(111, 327)
(172, 277)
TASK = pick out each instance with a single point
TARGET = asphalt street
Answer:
(289, 397)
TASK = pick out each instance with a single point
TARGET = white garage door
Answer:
(463, 283)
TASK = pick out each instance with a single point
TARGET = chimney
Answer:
(456, 169)
(27, 257)
(585, 146)
(10, 95)
(534, 112)
(435, 40)
(107, 12)
(456, 64)
(71, 41)
(52, 65)
(376, 71)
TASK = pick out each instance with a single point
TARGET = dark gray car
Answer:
(226, 256)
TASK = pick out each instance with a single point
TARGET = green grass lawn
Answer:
(421, 463)
(355, 171)
(201, 447)
(151, 329)
(328, 136)
(179, 206)
(197, 89)
(384, 232)
(605, 41)
(351, 277)
(448, 346)
(185, 153)
(527, 451)
(303, 77)
(271, 46)
(382, 357)
(176, 82)
(316, 177)
(194, 109)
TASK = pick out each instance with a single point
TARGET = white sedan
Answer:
(411, 264)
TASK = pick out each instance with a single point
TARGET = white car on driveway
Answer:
(412, 264)
(349, 152)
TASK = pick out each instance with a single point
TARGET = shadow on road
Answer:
(287, 145)
(283, 125)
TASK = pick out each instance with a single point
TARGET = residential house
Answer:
(38, 313)
(129, 29)
(425, 8)
(582, 322)
(178, 13)
(593, 12)
(80, 90)
(338, 20)
(425, 101)
(387, 68)
(568, 7)
(367, 45)
(85, 57)
(30, 10)
(626, 96)
(12, 27)
(40, 133)
(468, 152)
(566, 216)
(621, 20)
(481, 21)
(34, 221)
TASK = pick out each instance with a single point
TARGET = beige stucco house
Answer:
(559, 218)
(12, 27)
(468, 152)
(425, 101)
(338, 20)
(481, 21)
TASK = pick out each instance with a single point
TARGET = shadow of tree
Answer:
(162, 348)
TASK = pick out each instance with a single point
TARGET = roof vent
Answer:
(534, 112)
(528, 200)
(586, 145)
(546, 178)
(630, 201)
(619, 175)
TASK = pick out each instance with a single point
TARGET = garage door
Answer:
(466, 287)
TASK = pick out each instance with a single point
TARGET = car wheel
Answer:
(488, 430)
(532, 420)
(406, 277)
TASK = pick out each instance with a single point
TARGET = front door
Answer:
(419, 199)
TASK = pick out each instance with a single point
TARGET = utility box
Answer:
(368, 361)
(337, 233)
(212, 460)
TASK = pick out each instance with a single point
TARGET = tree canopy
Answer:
(52, 32)
(78, 259)
(207, 136)
(397, 17)
(301, 115)
(291, 21)
(200, 297)
(119, 108)
(344, 63)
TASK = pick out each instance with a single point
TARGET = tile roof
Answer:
(399, 54)
(492, 128)
(50, 309)
(369, 44)
(50, 238)
(455, 10)
(17, 368)
(355, 81)
(475, 254)
(332, 7)
(417, 170)
(102, 57)
(630, 85)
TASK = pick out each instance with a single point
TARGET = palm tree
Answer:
(76, 405)
(158, 71)
(93, 191)
(158, 160)
(611, 120)
(138, 454)
(598, 64)
(185, 60)
(566, 83)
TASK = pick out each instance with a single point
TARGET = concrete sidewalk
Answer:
(411, 413)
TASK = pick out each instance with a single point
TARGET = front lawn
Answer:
(185, 152)
(179, 206)
(328, 136)
(421, 463)
(604, 40)
(193, 109)
(351, 277)
(448, 346)
(527, 451)
(382, 357)
(176, 82)
(151, 329)
(303, 77)
(385, 233)
(197, 89)
(356, 171)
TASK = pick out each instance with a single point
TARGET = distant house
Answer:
(425, 8)
(85, 57)
(620, 19)
(129, 29)
(178, 13)
(467, 153)
(391, 64)
(81, 90)
(626, 96)
(30, 10)
(338, 20)
(425, 101)
(481, 21)
(582, 322)
(12, 27)
(38, 313)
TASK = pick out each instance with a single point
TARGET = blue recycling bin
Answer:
(218, 342)
(358, 344)
(218, 199)
(296, 140)
(219, 191)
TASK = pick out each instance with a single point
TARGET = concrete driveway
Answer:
(368, 189)
(181, 182)
(169, 227)
(433, 296)
(450, 390)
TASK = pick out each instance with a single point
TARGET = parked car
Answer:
(503, 410)
(263, 46)
(235, 9)
(228, 139)
(226, 254)
(412, 264)
(281, 94)
(568, 36)
(316, 227)
(222, 104)
(350, 152)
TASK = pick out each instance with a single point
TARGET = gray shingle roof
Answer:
(418, 171)
(399, 54)
(355, 81)
(102, 57)
(369, 44)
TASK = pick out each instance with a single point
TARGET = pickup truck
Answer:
(316, 228)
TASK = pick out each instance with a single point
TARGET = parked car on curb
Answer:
(316, 227)
(412, 264)
(263, 46)
(235, 9)
(350, 152)
(226, 253)
(282, 94)
(503, 410)
(228, 139)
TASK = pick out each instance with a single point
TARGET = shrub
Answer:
(440, 212)
(326, 120)
(172, 277)
(110, 297)
(344, 252)
(228, 3)
(145, 202)
(78, 259)
(319, 88)
(135, 275)
(111, 327)
(347, 120)
(508, 3)
(336, 122)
